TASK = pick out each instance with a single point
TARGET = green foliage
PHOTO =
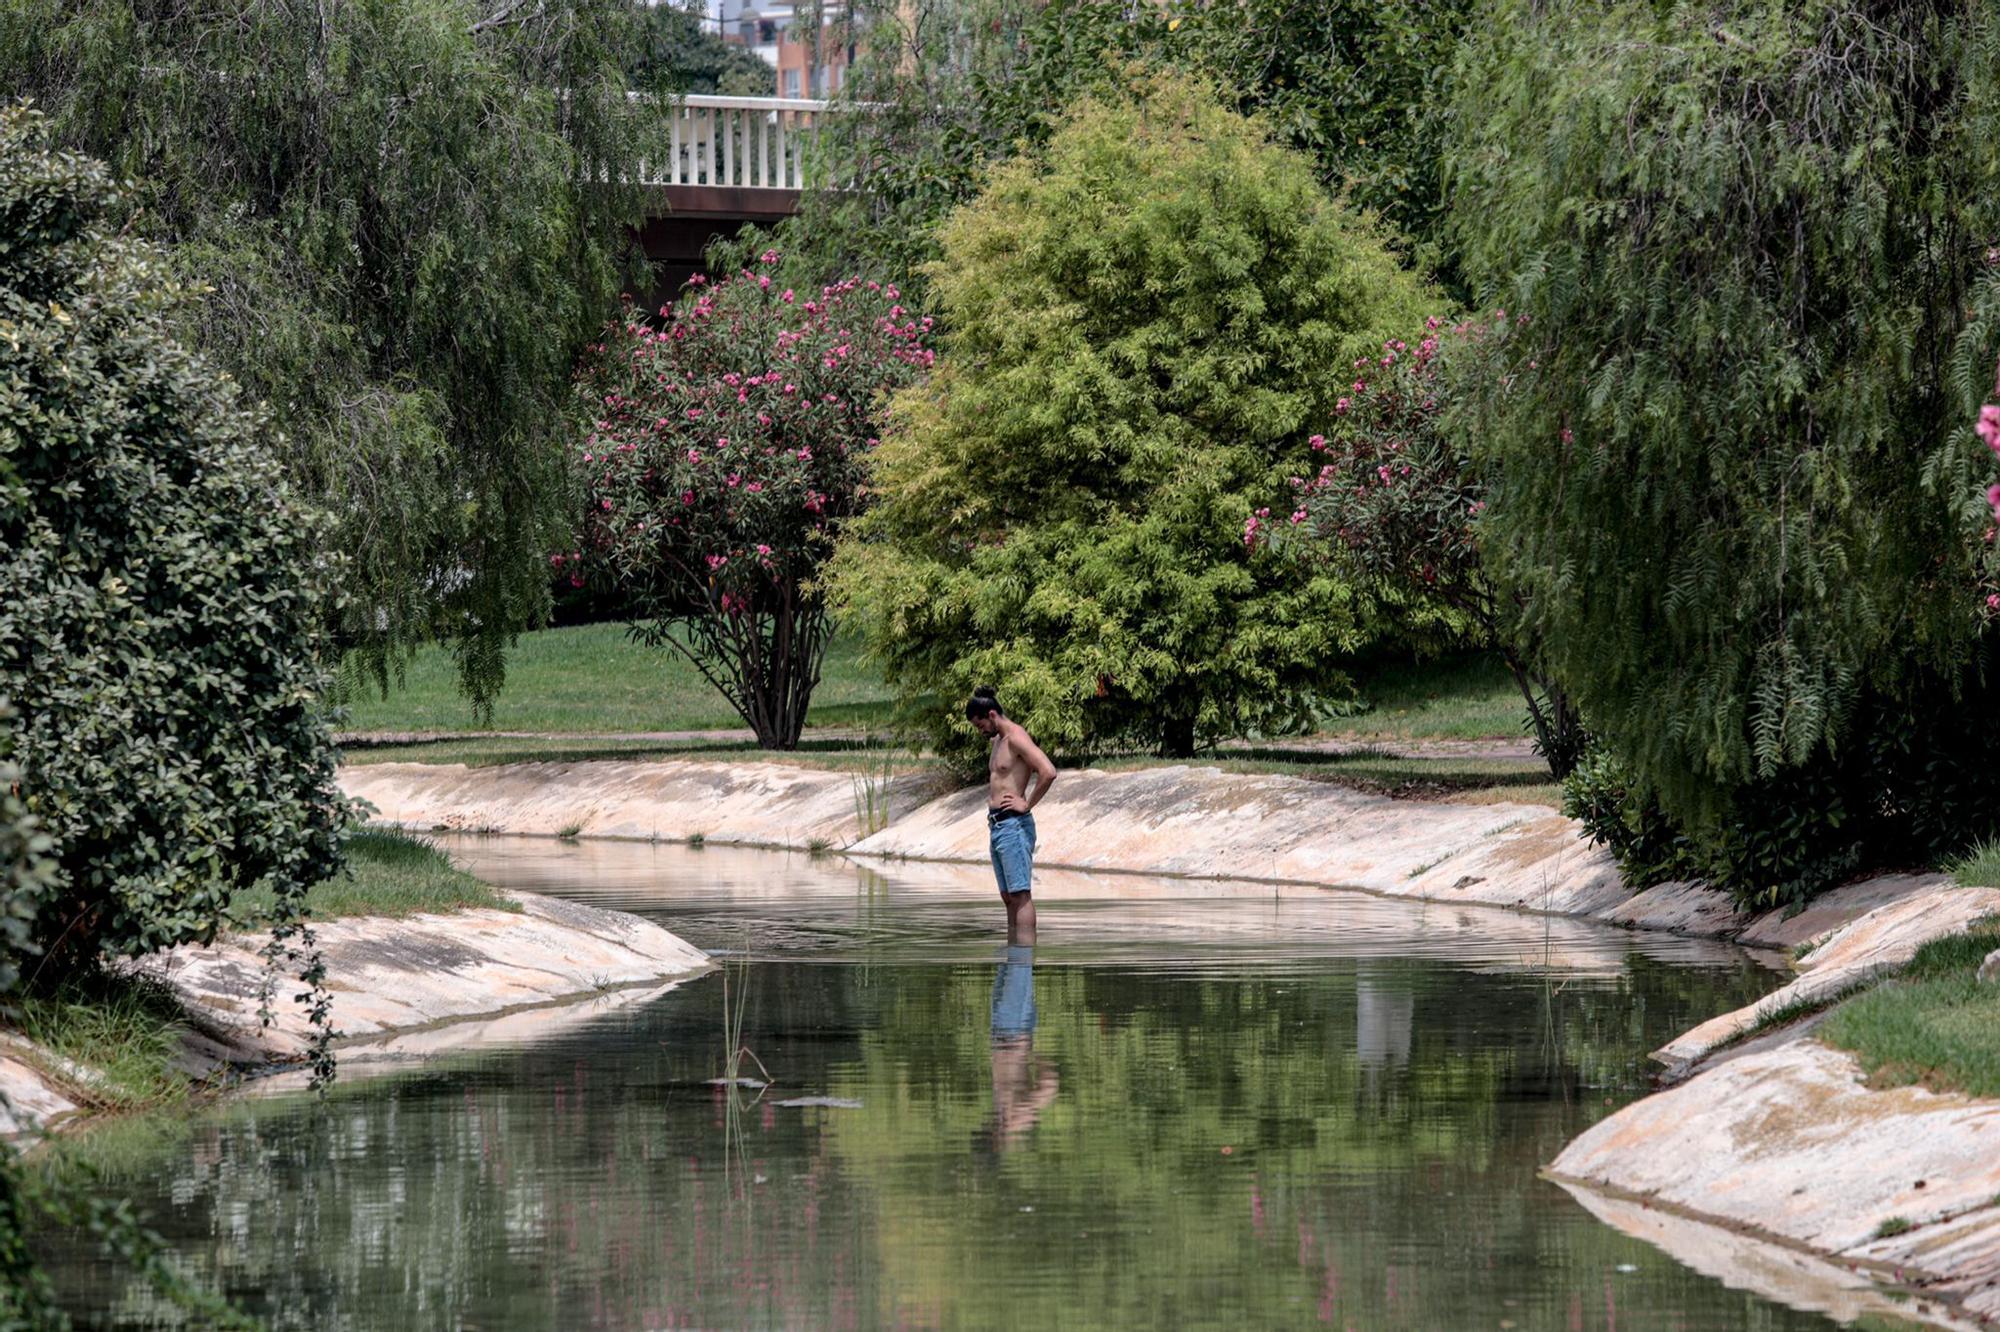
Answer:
(1728, 457)
(957, 88)
(403, 223)
(389, 873)
(26, 872)
(1143, 323)
(1932, 1023)
(159, 606)
(1979, 867)
(675, 51)
(1389, 495)
(728, 446)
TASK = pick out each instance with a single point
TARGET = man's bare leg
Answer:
(1020, 917)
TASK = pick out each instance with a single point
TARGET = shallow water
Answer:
(1191, 1104)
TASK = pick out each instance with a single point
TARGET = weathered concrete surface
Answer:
(1898, 915)
(393, 974)
(1789, 1142)
(28, 1099)
(1786, 1273)
(434, 982)
(1195, 822)
(762, 803)
(1205, 823)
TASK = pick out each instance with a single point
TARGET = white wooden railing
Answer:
(743, 142)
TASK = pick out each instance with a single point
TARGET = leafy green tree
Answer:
(675, 51)
(160, 601)
(1729, 460)
(1388, 495)
(404, 222)
(955, 88)
(729, 445)
(1142, 324)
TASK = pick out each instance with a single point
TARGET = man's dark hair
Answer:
(985, 702)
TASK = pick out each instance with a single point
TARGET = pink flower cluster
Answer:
(732, 434)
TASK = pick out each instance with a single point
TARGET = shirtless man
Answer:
(1010, 826)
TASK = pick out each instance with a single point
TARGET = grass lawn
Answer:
(388, 874)
(1464, 696)
(1933, 1023)
(593, 678)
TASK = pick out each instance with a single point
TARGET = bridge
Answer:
(728, 161)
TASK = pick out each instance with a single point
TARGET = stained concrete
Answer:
(434, 981)
(1897, 915)
(1782, 1137)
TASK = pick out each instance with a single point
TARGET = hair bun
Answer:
(986, 691)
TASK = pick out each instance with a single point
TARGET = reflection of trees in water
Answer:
(1384, 1130)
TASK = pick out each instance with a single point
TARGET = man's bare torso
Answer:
(1007, 769)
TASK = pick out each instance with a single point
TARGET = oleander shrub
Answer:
(159, 606)
(1142, 323)
(731, 440)
(1388, 495)
(1730, 468)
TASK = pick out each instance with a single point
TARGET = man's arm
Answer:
(1038, 763)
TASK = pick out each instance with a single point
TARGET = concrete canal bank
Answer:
(1769, 1161)
(402, 987)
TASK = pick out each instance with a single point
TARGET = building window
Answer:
(792, 82)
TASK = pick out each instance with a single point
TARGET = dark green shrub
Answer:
(158, 601)
(1143, 325)
(960, 86)
(399, 224)
(1731, 472)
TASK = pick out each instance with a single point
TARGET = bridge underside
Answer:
(687, 218)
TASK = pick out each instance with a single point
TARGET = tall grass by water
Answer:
(1933, 1023)
(388, 874)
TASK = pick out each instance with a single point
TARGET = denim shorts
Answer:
(1012, 839)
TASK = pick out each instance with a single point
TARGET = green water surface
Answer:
(1229, 1107)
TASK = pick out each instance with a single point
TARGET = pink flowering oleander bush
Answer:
(730, 441)
(1388, 495)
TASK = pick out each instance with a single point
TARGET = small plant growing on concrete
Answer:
(696, 840)
(1895, 1225)
(568, 832)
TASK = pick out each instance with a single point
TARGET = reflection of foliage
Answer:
(592, 1169)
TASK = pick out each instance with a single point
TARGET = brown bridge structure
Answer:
(729, 161)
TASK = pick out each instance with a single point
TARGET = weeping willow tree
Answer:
(405, 223)
(1746, 251)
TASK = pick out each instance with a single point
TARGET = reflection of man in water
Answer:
(1023, 1085)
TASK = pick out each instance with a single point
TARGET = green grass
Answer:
(1463, 696)
(1980, 867)
(390, 874)
(126, 1032)
(489, 751)
(593, 679)
(1933, 1023)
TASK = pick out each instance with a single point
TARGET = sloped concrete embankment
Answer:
(403, 988)
(1775, 1164)
(1194, 822)
(1188, 821)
